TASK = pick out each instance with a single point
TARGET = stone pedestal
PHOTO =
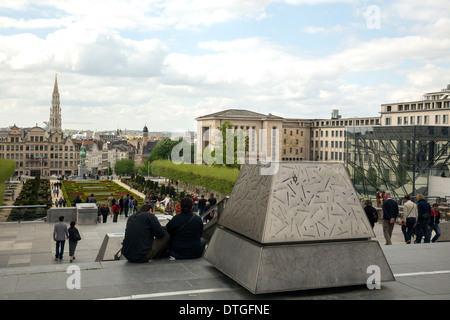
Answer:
(87, 213)
(300, 228)
(290, 267)
(82, 170)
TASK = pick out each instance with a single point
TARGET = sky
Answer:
(124, 64)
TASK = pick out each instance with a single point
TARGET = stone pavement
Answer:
(28, 271)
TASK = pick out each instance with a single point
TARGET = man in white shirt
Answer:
(409, 218)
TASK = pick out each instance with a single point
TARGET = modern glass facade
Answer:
(396, 158)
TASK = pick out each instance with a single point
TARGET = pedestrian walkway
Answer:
(28, 271)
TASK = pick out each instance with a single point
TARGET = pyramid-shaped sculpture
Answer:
(301, 228)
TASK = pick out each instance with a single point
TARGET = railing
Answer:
(210, 226)
(24, 213)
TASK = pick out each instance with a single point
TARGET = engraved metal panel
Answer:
(304, 201)
(246, 209)
(314, 202)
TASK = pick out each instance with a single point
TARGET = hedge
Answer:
(219, 179)
(7, 169)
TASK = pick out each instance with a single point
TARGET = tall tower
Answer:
(145, 138)
(55, 111)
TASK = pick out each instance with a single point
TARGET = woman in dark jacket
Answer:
(371, 212)
(185, 231)
(74, 237)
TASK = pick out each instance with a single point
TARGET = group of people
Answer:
(146, 239)
(419, 220)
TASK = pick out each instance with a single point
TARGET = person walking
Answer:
(371, 212)
(378, 197)
(126, 201)
(423, 220)
(201, 205)
(116, 210)
(74, 237)
(409, 218)
(390, 213)
(105, 212)
(434, 222)
(131, 205)
(121, 205)
(60, 234)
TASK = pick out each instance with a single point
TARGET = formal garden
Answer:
(101, 189)
(34, 192)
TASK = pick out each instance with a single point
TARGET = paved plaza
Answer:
(28, 271)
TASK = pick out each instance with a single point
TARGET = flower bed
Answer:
(101, 190)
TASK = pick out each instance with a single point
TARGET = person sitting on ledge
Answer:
(185, 231)
(145, 238)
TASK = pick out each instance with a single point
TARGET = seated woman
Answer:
(185, 230)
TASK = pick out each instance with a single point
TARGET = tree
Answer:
(162, 151)
(239, 143)
(124, 166)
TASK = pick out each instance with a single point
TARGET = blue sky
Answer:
(127, 63)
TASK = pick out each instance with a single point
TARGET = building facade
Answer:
(285, 139)
(36, 150)
(398, 151)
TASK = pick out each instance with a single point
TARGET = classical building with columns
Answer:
(38, 150)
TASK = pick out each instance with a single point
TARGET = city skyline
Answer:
(164, 63)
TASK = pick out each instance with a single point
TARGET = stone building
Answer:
(36, 150)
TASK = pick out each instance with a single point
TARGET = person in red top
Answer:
(434, 222)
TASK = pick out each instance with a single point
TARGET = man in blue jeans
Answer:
(60, 234)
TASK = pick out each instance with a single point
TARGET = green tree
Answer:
(238, 152)
(162, 151)
(124, 166)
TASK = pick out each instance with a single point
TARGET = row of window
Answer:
(413, 120)
(32, 139)
(37, 156)
(53, 164)
(32, 147)
(323, 155)
(326, 144)
(420, 106)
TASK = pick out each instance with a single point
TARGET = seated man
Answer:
(145, 238)
(185, 231)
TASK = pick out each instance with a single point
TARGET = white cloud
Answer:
(113, 79)
(322, 30)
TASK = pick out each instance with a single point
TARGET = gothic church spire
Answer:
(55, 111)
